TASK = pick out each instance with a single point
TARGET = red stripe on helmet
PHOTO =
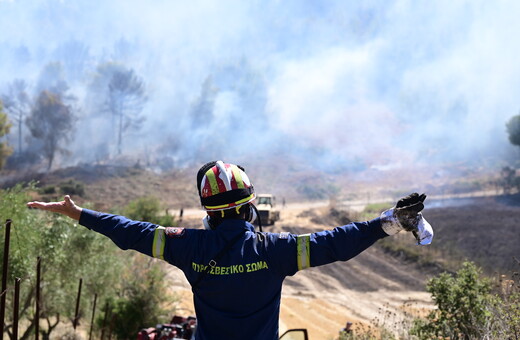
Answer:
(206, 187)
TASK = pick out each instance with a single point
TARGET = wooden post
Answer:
(92, 320)
(38, 298)
(76, 314)
(16, 307)
(4, 276)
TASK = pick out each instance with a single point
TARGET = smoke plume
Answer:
(351, 84)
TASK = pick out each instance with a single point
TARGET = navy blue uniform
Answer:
(240, 297)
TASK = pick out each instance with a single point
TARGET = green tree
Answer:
(5, 126)
(68, 252)
(513, 129)
(51, 121)
(463, 306)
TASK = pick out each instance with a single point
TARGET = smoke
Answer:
(353, 84)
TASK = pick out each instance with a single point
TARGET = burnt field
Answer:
(485, 230)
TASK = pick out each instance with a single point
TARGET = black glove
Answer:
(407, 210)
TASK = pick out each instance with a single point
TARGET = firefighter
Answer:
(237, 273)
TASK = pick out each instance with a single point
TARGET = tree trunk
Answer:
(46, 334)
(49, 164)
(119, 141)
(20, 135)
(28, 331)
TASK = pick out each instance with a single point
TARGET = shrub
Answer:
(143, 300)
(47, 190)
(72, 187)
(462, 301)
(143, 209)
(148, 209)
(506, 309)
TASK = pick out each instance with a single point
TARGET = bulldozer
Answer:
(266, 205)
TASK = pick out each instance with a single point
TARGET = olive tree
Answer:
(51, 121)
(5, 149)
(68, 252)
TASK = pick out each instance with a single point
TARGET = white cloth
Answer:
(391, 225)
(424, 232)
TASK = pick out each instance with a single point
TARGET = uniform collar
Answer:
(235, 225)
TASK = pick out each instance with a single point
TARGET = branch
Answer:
(7, 329)
(51, 327)
(28, 330)
(28, 301)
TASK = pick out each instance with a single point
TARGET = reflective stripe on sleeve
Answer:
(303, 251)
(158, 243)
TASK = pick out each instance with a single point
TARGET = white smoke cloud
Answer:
(378, 80)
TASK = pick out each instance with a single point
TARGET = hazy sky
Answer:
(381, 81)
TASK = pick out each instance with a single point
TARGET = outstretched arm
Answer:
(66, 207)
(125, 233)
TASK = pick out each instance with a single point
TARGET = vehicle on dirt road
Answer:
(266, 205)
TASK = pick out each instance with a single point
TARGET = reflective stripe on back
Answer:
(158, 243)
(303, 251)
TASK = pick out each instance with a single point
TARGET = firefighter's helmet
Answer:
(223, 186)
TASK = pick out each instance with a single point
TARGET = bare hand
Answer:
(65, 207)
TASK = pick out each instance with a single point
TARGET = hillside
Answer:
(386, 282)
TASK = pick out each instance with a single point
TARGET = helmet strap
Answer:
(206, 221)
(211, 220)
